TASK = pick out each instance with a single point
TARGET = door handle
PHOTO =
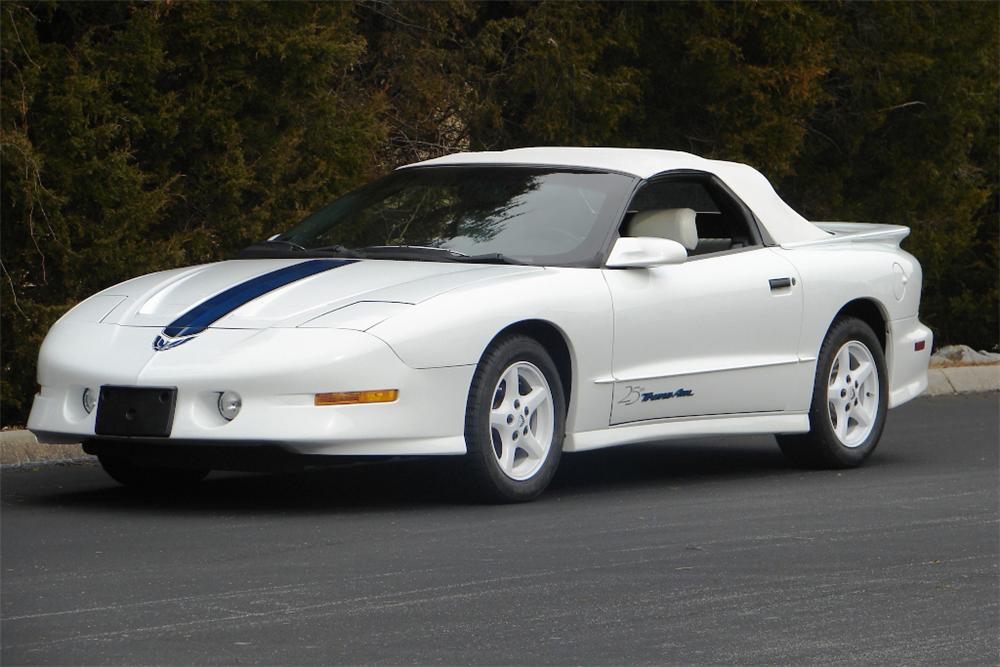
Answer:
(780, 283)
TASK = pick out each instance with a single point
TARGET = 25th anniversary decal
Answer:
(637, 394)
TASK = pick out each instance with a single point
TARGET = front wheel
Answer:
(849, 403)
(515, 421)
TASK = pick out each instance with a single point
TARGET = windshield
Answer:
(536, 215)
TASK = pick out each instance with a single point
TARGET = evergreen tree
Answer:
(141, 136)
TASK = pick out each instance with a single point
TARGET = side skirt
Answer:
(687, 427)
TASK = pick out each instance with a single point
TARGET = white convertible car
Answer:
(503, 307)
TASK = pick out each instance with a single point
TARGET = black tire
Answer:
(150, 479)
(484, 471)
(821, 447)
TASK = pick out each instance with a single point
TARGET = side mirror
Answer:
(644, 252)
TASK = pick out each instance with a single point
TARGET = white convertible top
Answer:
(780, 220)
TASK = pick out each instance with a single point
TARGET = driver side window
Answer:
(692, 210)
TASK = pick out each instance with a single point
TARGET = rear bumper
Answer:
(907, 365)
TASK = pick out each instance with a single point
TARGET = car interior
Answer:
(693, 211)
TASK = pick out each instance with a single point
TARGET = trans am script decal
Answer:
(637, 394)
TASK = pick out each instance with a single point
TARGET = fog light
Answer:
(230, 404)
(89, 400)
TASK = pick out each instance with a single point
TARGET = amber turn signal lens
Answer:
(355, 397)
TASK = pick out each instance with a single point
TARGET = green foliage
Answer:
(138, 137)
(908, 135)
(732, 81)
(141, 136)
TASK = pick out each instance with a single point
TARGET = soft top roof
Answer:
(781, 221)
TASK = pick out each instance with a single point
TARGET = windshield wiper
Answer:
(281, 244)
(491, 258)
(341, 250)
(419, 252)
(288, 249)
(423, 249)
(279, 248)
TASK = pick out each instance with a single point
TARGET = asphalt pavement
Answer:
(690, 552)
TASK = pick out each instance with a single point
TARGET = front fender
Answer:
(454, 329)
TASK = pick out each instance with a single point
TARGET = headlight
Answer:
(359, 316)
(95, 309)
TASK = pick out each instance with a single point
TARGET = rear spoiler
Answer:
(855, 232)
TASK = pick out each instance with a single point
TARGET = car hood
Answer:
(261, 293)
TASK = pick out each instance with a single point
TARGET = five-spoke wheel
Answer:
(849, 400)
(515, 420)
(853, 393)
(521, 421)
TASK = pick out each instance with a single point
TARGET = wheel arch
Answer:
(821, 447)
(872, 313)
(555, 342)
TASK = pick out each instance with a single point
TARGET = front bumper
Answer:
(276, 371)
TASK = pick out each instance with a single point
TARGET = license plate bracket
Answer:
(136, 411)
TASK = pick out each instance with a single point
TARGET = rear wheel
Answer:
(849, 403)
(127, 473)
(515, 421)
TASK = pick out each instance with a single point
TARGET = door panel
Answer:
(711, 336)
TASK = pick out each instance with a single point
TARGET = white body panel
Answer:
(711, 326)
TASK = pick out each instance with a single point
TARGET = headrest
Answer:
(676, 224)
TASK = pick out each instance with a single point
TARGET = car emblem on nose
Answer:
(164, 342)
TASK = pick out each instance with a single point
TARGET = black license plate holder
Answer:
(136, 411)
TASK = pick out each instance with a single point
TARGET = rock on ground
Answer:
(961, 355)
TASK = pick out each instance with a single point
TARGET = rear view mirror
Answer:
(644, 252)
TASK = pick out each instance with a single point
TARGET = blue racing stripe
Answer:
(205, 313)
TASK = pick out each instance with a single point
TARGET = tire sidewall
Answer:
(842, 332)
(500, 356)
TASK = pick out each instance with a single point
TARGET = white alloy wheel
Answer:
(522, 420)
(853, 394)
